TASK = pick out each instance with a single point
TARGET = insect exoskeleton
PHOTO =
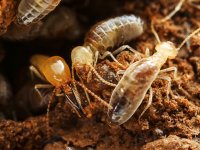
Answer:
(138, 78)
(30, 11)
(103, 37)
(56, 71)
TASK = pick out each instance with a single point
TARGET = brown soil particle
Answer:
(172, 142)
(7, 14)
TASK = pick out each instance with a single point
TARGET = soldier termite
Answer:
(104, 36)
(56, 71)
(30, 11)
(138, 78)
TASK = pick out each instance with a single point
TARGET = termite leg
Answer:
(94, 95)
(75, 90)
(174, 69)
(149, 102)
(96, 55)
(41, 86)
(168, 79)
(184, 91)
(120, 72)
(86, 94)
(96, 58)
(123, 47)
(107, 53)
(96, 73)
(69, 101)
(48, 110)
(177, 8)
(176, 78)
(33, 71)
(87, 97)
(100, 78)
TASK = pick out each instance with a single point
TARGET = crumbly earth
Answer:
(172, 123)
(172, 142)
(7, 14)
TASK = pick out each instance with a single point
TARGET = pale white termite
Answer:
(30, 11)
(104, 36)
(137, 80)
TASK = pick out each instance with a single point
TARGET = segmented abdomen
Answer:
(131, 89)
(113, 32)
(33, 10)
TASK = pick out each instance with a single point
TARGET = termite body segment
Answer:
(104, 36)
(30, 11)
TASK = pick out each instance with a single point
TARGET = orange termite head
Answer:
(56, 71)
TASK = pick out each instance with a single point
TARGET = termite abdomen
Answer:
(30, 11)
(113, 32)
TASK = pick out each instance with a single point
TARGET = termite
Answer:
(104, 36)
(56, 71)
(138, 78)
(30, 11)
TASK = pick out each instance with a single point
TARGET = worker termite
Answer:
(101, 38)
(56, 71)
(138, 78)
(30, 11)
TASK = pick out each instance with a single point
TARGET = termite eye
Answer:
(56, 70)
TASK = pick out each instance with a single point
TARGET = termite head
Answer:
(82, 55)
(168, 49)
(56, 71)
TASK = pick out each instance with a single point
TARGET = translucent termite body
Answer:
(104, 36)
(30, 11)
(137, 80)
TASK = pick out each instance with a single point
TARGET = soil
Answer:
(172, 123)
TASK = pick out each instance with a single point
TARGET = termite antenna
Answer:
(48, 110)
(154, 32)
(100, 78)
(94, 95)
(188, 37)
(177, 8)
